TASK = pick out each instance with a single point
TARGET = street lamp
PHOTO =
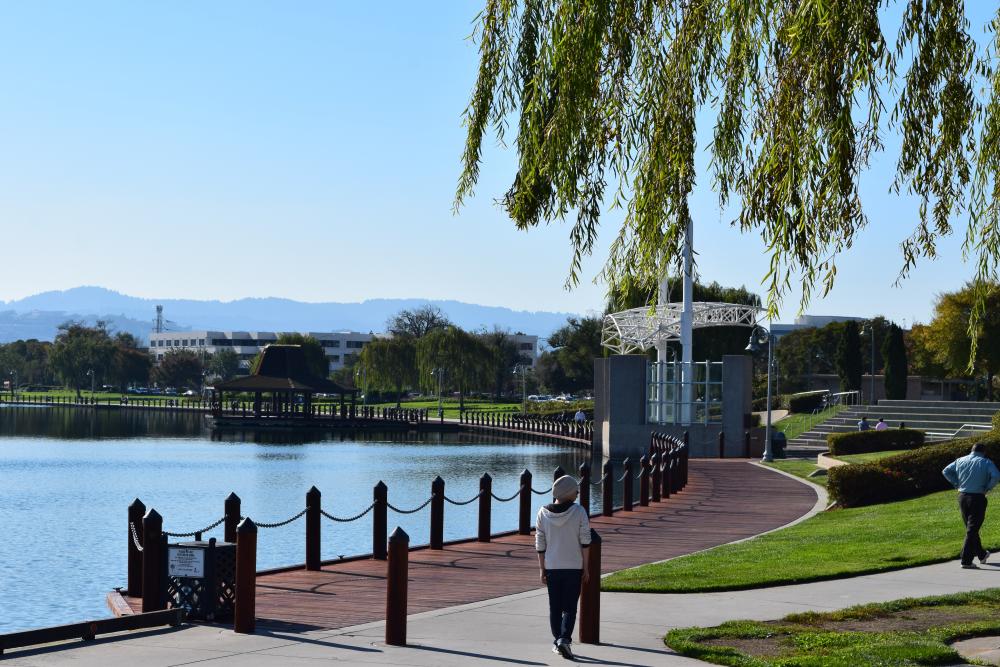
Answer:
(91, 374)
(363, 373)
(871, 329)
(760, 336)
(13, 384)
(439, 372)
(523, 370)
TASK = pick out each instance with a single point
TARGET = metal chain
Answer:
(599, 482)
(623, 477)
(353, 518)
(504, 500)
(135, 536)
(195, 532)
(542, 492)
(414, 510)
(465, 502)
(282, 523)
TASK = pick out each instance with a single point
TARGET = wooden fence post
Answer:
(232, 514)
(245, 598)
(135, 513)
(437, 513)
(644, 481)
(590, 594)
(380, 524)
(585, 487)
(722, 445)
(524, 505)
(627, 486)
(608, 499)
(668, 471)
(395, 589)
(746, 444)
(557, 473)
(314, 507)
(152, 561)
(485, 507)
(654, 464)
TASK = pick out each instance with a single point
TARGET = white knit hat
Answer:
(564, 487)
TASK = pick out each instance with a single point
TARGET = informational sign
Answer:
(185, 562)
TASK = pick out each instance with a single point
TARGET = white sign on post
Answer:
(185, 562)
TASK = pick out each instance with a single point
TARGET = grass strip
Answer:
(795, 425)
(902, 633)
(830, 545)
(870, 456)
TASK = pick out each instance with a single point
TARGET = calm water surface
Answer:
(67, 477)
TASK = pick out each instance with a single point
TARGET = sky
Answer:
(310, 150)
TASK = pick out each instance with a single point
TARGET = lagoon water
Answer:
(68, 475)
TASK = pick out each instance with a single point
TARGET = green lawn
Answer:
(870, 456)
(795, 425)
(799, 468)
(837, 543)
(902, 633)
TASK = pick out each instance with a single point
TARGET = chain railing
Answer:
(349, 519)
(198, 532)
(565, 427)
(280, 524)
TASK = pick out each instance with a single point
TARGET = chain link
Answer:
(195, 532)
(465, 502)
(542, 492)
(504, 500)
(353, 518)
(623, 477)
(282, 523)
(599, 482)
(413, 511)
(135, 536)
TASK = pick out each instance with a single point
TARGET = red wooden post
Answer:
(668, 471)
(608, 500)
(559, 472)
(232, 514)
(722, 445)
(746, 444)
(590, 594)
(245, 602)
(485, 507)
(437, 513)
(380, 520)
(152, 562)
(395, 589)
(585, 487)
(644, 481)
(135, 513)
(314, 508)
(627, 486)
(654, 464)
(524, 505)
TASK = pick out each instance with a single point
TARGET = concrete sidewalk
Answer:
(512, 630)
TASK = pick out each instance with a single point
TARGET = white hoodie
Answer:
(560, 533)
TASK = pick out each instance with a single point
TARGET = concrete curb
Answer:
(826, 461)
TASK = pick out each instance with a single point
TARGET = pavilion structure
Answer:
(282, 388)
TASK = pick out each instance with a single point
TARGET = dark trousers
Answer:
(564, 591)
(973, 506)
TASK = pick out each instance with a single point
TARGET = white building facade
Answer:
(340, 346)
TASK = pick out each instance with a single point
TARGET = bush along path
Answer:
(901, 633)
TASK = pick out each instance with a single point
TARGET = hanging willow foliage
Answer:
(605, 94)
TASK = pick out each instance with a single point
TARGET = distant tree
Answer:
(224, 364)
(389, 364)
(79, 350)
(344, 376)
(550, 373)
(463, 356)
(578, 343)
(418, 322)
(179, 368)
(130, 364)
(948, 336)
(28, 360)
(920, 353)
(503, 357)
(894, 353)
(849, 363)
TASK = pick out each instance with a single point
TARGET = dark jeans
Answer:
(973, 506)
(564, 591)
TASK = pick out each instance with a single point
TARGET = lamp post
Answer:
(758, 337)
(523, 370)
(363, 374)
(13, 384)
(439, 372)
(871, 396)
(91, 374)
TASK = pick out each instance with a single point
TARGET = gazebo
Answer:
(281, 378)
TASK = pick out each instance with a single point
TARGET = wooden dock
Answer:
(725, 500)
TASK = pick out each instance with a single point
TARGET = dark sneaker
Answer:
(565, 651)
(985, 557)
(555, 649)
(969, 566)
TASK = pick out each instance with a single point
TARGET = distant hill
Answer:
(38, 316)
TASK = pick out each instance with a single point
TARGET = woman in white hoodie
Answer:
(562, 535)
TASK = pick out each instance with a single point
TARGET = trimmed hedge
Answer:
(806, 402)
(863, 442)
(905, 475)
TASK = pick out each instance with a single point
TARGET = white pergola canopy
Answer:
(640, 329)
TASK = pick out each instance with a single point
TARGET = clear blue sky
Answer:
(310, 150)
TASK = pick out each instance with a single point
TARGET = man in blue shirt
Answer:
(973, 475)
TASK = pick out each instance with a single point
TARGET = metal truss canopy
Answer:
(640, 329)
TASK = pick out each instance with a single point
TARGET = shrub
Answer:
(905, 475)
(760, 404)
(862, 442)
(996, 422)
(806, 401)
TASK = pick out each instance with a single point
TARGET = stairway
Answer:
(940, 419)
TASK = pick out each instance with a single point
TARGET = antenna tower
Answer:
(159, 319)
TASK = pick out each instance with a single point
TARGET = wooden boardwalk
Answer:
(725, 500)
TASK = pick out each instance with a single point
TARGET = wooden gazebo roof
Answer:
(284, 368)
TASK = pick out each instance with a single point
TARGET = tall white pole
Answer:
(687, 322)
(768, 453)
(661, 350)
